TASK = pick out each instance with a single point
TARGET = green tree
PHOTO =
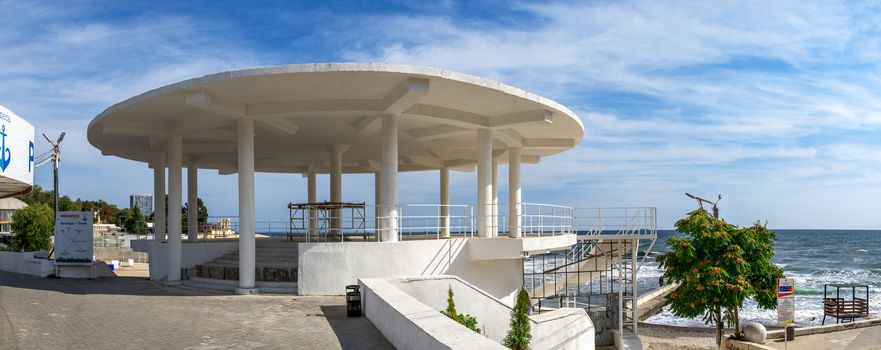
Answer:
(201, 215)
(135, 223)
(67, 204)
(122, 216)
(466, 320)
(107, 213)
(32, 228)
(756, 244)
(718, 266)
(38, 196)
(519, 335)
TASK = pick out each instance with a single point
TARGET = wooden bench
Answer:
(844, 304)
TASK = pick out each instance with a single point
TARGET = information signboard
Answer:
(785, 301)
(73, 237)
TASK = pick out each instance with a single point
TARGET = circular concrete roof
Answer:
(300, 110)
(11, 203)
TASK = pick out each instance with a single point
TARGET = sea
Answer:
(812, 257)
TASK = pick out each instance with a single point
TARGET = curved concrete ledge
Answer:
(409, 324)
(799, 331)
(418, 298)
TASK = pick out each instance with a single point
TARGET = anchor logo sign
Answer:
(5, 154)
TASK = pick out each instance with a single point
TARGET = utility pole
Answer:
(55, 155)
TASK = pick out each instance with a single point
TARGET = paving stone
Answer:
(135, 313)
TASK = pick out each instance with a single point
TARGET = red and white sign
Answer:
(785, 301)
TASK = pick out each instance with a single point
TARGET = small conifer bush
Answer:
(466, 320)
(519, 336)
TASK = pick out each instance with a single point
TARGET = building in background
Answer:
(143, 201)
(7, 207)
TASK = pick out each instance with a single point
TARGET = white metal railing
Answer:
(428, 219)
(546, 219)
(421, 221)
(620, 220)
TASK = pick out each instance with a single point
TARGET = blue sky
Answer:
(776, 105)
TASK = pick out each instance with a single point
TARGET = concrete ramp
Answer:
(602, 257)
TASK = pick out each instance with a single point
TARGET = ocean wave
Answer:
(806, 291)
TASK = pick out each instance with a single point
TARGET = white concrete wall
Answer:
(38, 267)
(566, 328)
(13, 261)
(495, 265)
(409, 324)
(326, 268)
(77, 271)
(492, 314)
(193, 253)
(509, 248)
(24, 262)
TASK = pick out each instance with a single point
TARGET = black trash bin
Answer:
(353, 300)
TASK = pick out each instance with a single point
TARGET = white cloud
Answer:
(754, 97)
(766, 102)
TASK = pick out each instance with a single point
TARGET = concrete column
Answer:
(377, 201)
(175, 224)
(159, 197)
(192, 203)
(336, 183)
(389, 179)
(495, 205)
(514, 208)
(445, 202)
(313, 198)
(247, 245)
(484, 183)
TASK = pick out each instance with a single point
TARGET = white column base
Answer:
(247, 291)
(168, 283)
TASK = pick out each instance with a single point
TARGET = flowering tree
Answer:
(718, 266)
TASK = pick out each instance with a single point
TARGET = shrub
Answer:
(464, 319)
(32, 228)
(519, 336)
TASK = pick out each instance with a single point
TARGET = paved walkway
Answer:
(134, 313)
(853, 339)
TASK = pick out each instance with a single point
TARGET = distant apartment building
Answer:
(143, 201)
(8, 206)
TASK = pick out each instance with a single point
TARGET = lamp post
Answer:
(55, 155)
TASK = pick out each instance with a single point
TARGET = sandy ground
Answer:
(139, 270)
(657, 337)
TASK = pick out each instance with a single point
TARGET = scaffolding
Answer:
(329, 221)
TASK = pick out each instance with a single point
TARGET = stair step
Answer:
(192, 282)
(258, 263)
(263, 257)
(272, 253)
(231, 285)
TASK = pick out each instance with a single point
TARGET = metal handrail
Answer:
(536, 219)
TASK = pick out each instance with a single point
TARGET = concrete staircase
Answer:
(276, 269)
